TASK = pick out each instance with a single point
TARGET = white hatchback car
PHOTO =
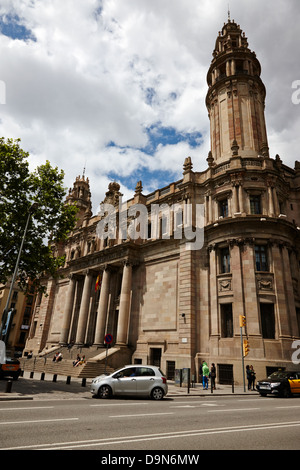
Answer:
(138, 380)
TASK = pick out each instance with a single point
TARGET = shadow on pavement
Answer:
(49, 389)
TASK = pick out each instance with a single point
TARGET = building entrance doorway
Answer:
(155, 356)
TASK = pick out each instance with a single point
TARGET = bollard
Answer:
(232, 386)
(8, 386)
(42, 375)
(54, 378)
(68, 380)
(83, 382)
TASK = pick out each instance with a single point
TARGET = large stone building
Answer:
(165, 300)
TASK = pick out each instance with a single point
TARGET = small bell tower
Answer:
(80, 195)
(236, 98)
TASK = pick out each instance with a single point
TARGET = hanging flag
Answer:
(98, 283)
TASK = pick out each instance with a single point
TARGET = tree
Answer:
(49, 225)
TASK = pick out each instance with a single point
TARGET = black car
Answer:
(281, 383)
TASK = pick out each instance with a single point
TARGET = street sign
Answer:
(108, 338)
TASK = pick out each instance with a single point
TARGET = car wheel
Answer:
(263, 394)
(157, 393)
(104, 391)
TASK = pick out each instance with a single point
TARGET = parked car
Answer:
(135, 380)
(281, 383)
(11, 368)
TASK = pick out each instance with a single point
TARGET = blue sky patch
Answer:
(160, 135)
(151, 180)
(11, 26)
(157, 135)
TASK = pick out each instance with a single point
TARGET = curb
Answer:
(171, 394)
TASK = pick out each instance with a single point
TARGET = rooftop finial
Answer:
(228, 14)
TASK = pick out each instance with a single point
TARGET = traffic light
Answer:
(242, 321)
(246, 348)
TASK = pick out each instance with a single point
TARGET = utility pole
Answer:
(244, 346)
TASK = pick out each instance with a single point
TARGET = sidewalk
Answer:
(26, 388)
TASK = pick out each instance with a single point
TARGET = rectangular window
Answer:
(267, 317)
(224, 260)
(255, 204)
(223, 208)
(226, 321)
(261, 258)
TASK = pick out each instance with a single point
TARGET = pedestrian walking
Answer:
(248, 373)
(212, 376)
(205, 375)
(252, 378)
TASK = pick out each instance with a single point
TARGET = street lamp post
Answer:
(32, 209)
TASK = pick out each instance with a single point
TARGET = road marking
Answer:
(184, 406)
(139, 415)
(27, 408)
(233, 409)
(195, 406)
(157, 436)
(249, 399)
(120, 404)
(211, 404)
(289, 407)
(39, 421)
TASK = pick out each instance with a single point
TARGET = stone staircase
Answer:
(97, 362)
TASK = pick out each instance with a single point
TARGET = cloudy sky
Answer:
(118, 86)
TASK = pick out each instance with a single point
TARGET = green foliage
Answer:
(49, 224)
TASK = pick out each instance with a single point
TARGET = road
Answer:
(177, 423)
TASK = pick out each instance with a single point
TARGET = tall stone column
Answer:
(271, 202)
(276, 203)
(68, 311)
(124, 309)
(210, 217)
(250, 290)
(213, 289)
(241, 198)
(235, 199)
(84, 308)
(102, 308)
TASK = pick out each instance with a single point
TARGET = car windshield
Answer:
(279, 374)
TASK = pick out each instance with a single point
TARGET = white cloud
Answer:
(105, 71)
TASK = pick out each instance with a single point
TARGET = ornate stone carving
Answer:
(265, 283)
(225, 285)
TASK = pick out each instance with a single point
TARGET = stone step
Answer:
(65, 367)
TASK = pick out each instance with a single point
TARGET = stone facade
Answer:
(164, 302)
